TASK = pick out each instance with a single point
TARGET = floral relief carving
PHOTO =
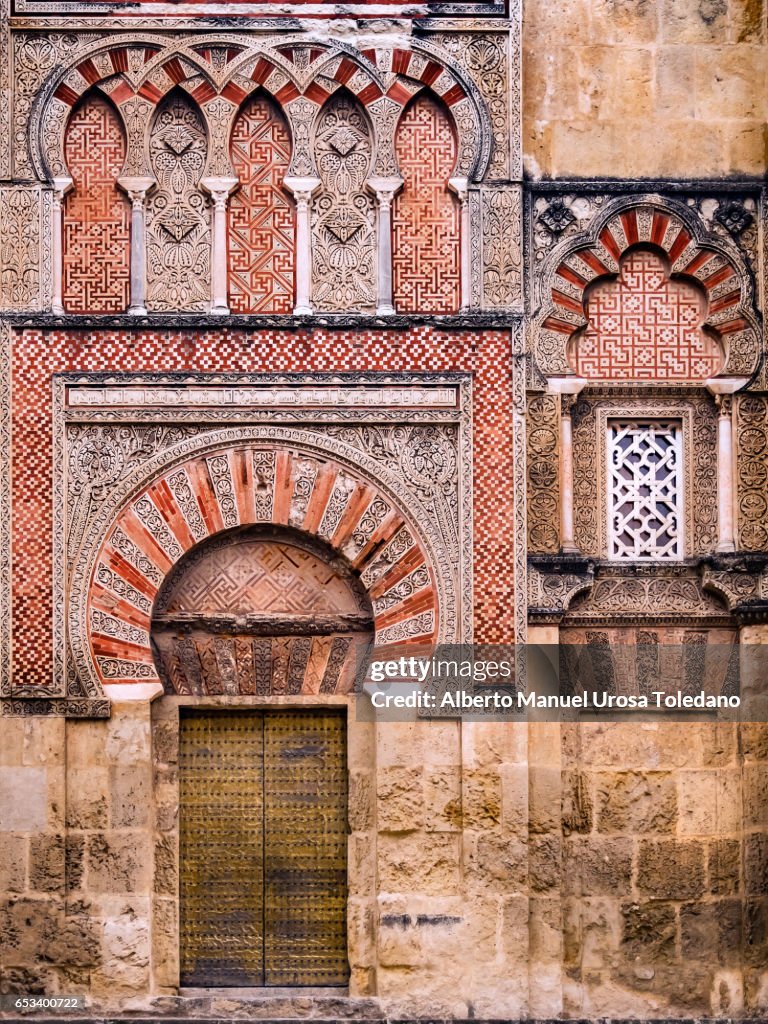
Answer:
(543, 474)
(178, 218)
(752, 471)
(343, 216)
(20, 250)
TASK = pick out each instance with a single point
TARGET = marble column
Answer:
(60, 188)
(220, 190)
(136, 188)
(461, 187)
(568, 388)
(723, 389)
(303, 189)
(385, 190)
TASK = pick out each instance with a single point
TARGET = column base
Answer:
(570, 549)
(386, 311)
(725, 548)
(303, 311)
(137, 311)
(57, 309)
(220, 311)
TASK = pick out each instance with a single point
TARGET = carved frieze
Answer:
(25, 258)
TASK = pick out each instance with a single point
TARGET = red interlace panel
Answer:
(261, 220)
(96, 267)
(426, 216)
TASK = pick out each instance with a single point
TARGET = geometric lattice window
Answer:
(645, 490)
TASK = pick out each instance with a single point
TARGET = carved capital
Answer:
(136, 189)
(61, 186)
(220, 189)
(461, 187)
(385, 190)
(303, 188)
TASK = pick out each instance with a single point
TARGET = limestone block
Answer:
(635, 802)
(724, 865)
(165, 742)
(400, 799)
(362, 804)
(361, 744)
(756, 864)
(727, 993)
(46, 863)
(398, 744)
(419, 862)
(545, 798)
(442, 798)
(675, 78)
(13, 862)
(624, 21)
(86, 743)
(360, 932)
(755, 950)
(694, 21)
(119, 862)
(601, 923)
(657, 746)
(747, 21)
(73, 941)
(131, 795)
(756, 796)
(399, 944)
(648, 931)
(595, 866)
(165, 942)
(87, 797)
(719, 745)
(126, 956)
(166, 803)
(569, 21)
(514, 928)
(754, 740)
(730, 82)
(494, 743)
(495, 863)
(481, 798)
(44, 741)
(709, 802)
(11, 740)
(128, 734)
(361, 862)
(669, 869)
(711, 932)
(545, 923)
(74, 862)
(514, 798)
(544, 863)
(24, 803)
(166, 875)
(25, 924)
(577, 802)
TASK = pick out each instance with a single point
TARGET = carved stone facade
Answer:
(295, 359)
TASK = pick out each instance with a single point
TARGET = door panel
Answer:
(263, 798)
(305, 849)
(221, 787)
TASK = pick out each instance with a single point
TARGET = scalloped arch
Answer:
(691, 251)
(267, 66)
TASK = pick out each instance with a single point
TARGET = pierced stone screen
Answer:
(645, 490)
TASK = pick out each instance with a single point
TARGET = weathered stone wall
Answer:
(642, 89)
